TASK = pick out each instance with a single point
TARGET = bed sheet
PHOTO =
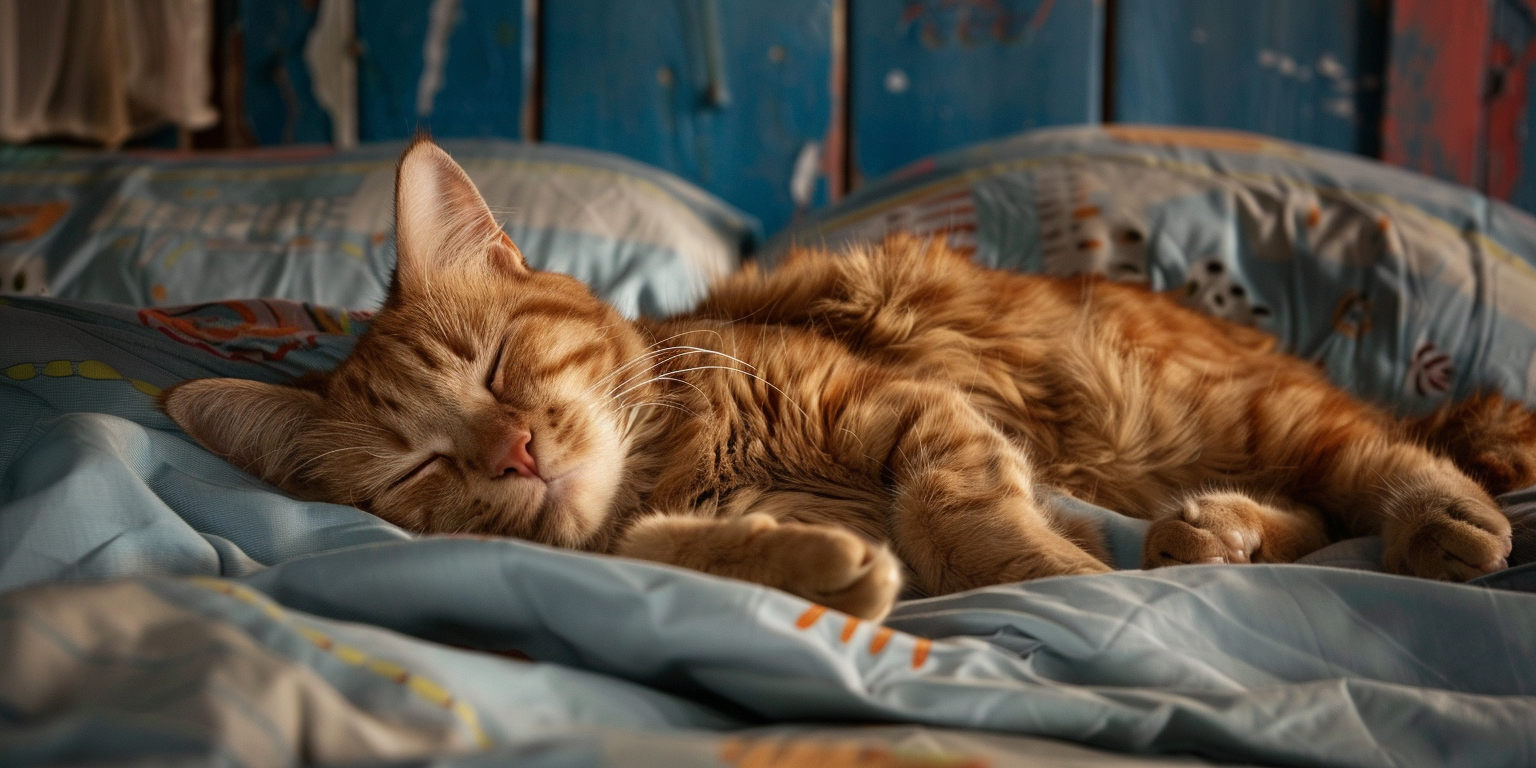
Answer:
(159, 603)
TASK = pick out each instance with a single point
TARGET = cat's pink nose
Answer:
(518, 457)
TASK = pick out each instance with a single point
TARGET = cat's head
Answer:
(478, 399)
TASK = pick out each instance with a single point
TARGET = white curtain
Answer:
(104, 70)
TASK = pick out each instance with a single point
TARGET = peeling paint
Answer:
(1344, 108)
(802, 180)
(434, 54)
(332, 65)
(1327, 66)
(1434, 109)
(971, 22)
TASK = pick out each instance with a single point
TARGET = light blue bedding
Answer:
(1408, 290)
(254, 629)
(310, 225)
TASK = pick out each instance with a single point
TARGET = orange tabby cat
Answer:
(819, 427)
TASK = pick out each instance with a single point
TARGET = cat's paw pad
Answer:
(1209, 528)
(1439, 535)
(837, 568)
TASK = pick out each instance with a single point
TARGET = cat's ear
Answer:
(253, 424)
(442, 224)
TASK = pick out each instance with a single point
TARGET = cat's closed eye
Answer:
(419, 468)
(494, 374)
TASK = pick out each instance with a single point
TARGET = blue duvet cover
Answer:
(159, 604)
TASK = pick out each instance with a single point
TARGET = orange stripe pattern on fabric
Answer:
(849, 627)
(920, 652)
(882, 637)
(810, 617)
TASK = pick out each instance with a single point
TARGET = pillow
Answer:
(311, 225)
(1407, 289)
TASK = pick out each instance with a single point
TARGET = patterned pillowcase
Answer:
(1407, 289)
(311, 225)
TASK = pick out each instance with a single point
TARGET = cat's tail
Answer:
(1488, 436)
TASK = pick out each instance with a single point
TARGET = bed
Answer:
(156, 604)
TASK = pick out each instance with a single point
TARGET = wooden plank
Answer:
(477, 89)
(1307, 70)
(1434, 105)
(279, 102)
(729, 94)
(1511, 65)
(929, 75)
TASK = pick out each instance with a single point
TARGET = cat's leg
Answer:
(1231, 527)
(1338, 455)
(1490, 438)
(822, 563)
(965, 514)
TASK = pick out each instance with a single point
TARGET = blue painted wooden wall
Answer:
(737, 94)
(726, 94)
(928, 75)
(1307, 70)
(483, 77)
(279, 102)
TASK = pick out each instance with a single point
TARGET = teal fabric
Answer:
(315, 226)
(1290, 665)
(1407, 289)
(636, 663)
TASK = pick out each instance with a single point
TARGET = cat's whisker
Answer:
(722, 354)
(750, 374)
(650, 353)
(285, 425)
(661, 377)
(357, 428)
(300, 466)
(674, 407)
(686, 351)
(691, 331)
(683, 381)
(620, 396)
(649, 356)
(663, 350)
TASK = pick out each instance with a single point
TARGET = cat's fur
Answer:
(817, 427)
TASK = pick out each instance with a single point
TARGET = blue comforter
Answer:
(158, 602)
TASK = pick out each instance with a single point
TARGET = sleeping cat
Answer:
(847, 422)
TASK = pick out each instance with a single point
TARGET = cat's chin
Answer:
(575, 505)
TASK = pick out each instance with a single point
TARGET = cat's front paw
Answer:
(834, 567)
(1208, 528)
(1437, 533)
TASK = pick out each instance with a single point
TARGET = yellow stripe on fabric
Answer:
(426, 689)
(94, 370)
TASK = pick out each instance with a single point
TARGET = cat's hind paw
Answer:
(1435, 533)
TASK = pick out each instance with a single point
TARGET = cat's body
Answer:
(802, 418)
